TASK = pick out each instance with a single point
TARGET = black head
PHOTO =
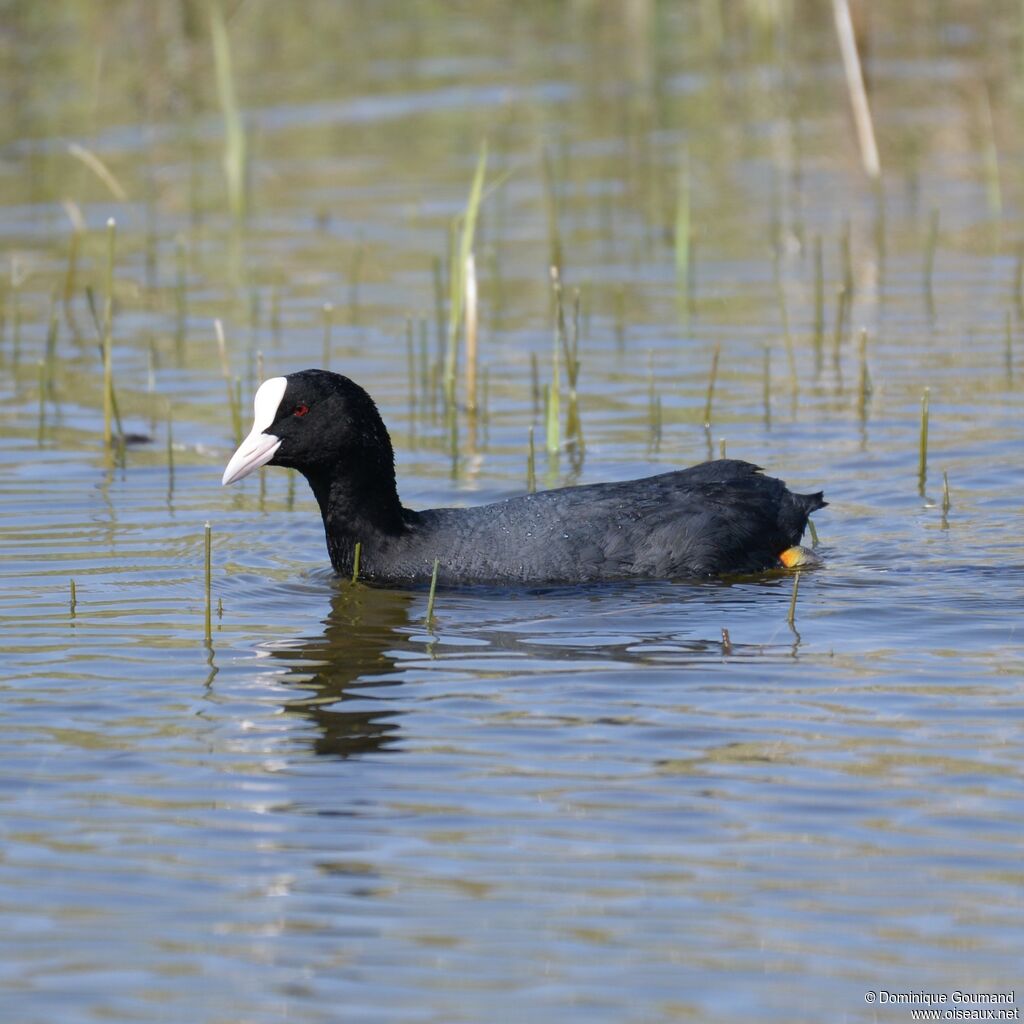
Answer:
(317, 422)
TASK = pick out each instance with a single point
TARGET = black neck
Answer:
(359, 504)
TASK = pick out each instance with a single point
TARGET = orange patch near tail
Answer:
(798, 557)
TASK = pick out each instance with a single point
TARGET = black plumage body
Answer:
(716, 518)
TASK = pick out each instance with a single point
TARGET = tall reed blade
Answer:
(433, 592)
(846, 258)
(842, 308)
(993, 190)
(233, 403)
(437, 269)
(207, 544)
(235, 159)
(42, 402)
(531, 465)
(170, 447)
(819, 301)
(922, 452)
(108, 336)
(855, 87)
(712, 376)
(71, 274)
(682, 239)
(462, 246)
(791, 616)
(864, 380)
(180, 292)
(1018, 282)
(471, 332)
(553, 418)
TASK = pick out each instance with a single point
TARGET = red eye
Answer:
(300, 410)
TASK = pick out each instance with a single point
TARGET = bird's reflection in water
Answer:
(355, 650)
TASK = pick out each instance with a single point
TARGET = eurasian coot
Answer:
(714, 518)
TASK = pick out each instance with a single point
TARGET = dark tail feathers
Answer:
(812, 502)
(794, 512)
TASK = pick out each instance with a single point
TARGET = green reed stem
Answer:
(470, 331)
(651, 391)
(108, 337)
(946, 504)
(74, 597)
(234, 402)
(433, 591)
(424, 363)
(235, 157)
(462, 246)
(864, 380)
(437, 268)
(712, 377)
(791, 617)
(1018, 282)
(656, 423)
(842, 305)
(91, 299)
(553, 431)
(531, 465)
(993, 190)
(410, 366)
(814, 532)
(71, 274)
(682, 240)
(52, 334)
(356, 555)
(561, 335)
(846, 259)
(355, 279)
(574, 340)
(180, 289)
(208, 635)
(819, 299)
(42, 400)
(170, 445)
(922, 452)
(16, 315)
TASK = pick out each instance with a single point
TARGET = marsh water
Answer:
(627, 803)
